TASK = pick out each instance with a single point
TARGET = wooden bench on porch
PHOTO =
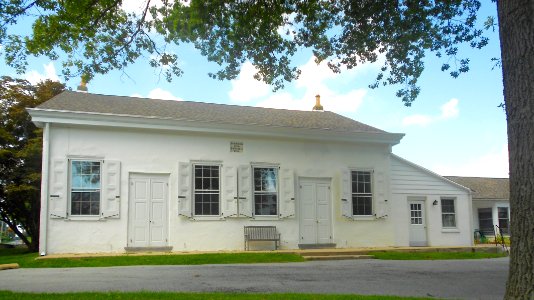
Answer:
(261, 233)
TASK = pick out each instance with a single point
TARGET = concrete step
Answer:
(147, 249)
(334, 253)
(336, 257)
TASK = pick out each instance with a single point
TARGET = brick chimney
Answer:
(318, 106)
(82, 88)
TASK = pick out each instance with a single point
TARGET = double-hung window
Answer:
(448, 213)
(85, 187)
(362, 195)
(207, 190)
(265, 191)
(503, 219)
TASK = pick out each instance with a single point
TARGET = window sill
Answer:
(363, 218)
(207, 218)
(84, 218)
(265, 218)
(450, 230)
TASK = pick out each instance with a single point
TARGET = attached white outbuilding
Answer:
(123, 172)
(491, 204)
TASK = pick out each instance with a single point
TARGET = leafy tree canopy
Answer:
(99, 36)
(20, 155)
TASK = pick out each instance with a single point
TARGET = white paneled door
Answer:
(417, 223)
(148, 210)
(315, 211)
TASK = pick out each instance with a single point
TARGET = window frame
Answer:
(453, 199)
(370, 194)
(486, 230)
(194, 189)
(277, 189)
(507, 230)
(70, 215)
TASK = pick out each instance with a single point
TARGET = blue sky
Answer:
(455, 127)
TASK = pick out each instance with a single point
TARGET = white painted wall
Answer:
(409, 180)
(151, 151)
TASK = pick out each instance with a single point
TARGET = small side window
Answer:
(448, 213)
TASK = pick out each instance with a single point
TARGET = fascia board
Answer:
(40, 116)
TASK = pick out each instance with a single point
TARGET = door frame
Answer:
(327, 180)
(422, 200)
(133, 175)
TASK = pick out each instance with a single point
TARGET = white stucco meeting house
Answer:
(124, 173)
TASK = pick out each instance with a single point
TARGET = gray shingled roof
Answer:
(203, 112)
(485, 188)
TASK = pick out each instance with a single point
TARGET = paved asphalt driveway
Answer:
(465, 279)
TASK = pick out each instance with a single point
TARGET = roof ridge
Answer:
(210, 103)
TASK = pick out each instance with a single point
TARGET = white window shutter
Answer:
(245, 191)
(58, 193)
(229, 199)
(287, 193)
(111, 187)
(346, 198)
(184, 189)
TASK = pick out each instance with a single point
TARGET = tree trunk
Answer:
(516, 29)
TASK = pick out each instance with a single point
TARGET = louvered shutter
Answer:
(57, 189)
(346, 197)
(111, 196)
(184, 189)
(379, 196)
(245, 191)
(287, 193)
(229, 199)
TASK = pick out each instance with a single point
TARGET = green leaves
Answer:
(20, 154)
(93, 37)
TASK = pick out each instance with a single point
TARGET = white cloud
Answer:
(448, 110)
(314, 79)
(245, 88)
(492, 164)
(314, 75)
(35, 77)
(160, 94)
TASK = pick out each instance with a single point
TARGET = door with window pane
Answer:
(148, 211)
(418, 235)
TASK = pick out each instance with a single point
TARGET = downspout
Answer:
(44, 190)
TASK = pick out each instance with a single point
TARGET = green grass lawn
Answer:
(192, 296)
(27, 260)
(434, 255)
